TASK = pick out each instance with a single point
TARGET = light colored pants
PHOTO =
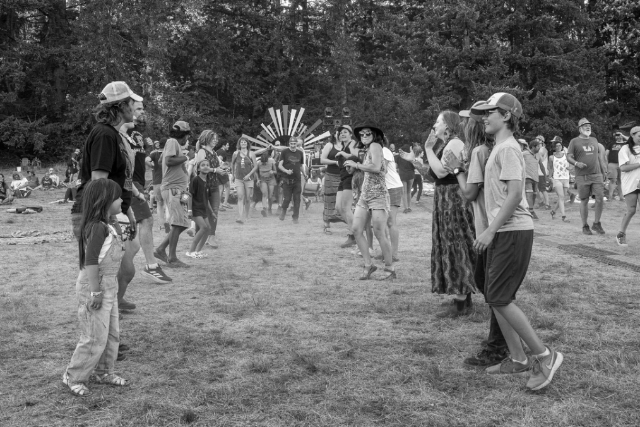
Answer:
(97, 349)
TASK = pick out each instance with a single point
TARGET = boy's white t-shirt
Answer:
(479, 157)
(392, 178)
(506, 163)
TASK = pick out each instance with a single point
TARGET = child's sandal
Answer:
(79, 389)
(368, 271)
(109, 379)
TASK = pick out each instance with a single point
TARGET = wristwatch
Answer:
(456, 171)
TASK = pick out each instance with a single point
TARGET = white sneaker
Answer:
(194, 255)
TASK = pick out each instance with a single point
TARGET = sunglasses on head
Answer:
(366, 133)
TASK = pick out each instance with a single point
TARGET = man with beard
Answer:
(584, 153)
(141, 210)
(291, 163)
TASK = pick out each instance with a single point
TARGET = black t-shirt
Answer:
(224, 154)
(614, 149)
(292, 160)
(138, 147)
(47, 182)
(157, 166)
(102, 152)
(406, 170)
(198, 190)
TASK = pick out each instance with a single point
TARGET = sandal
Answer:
(79, 389)
(392, 274)
(368, 271)
(552, 214)
(109, 379)
(327, 231)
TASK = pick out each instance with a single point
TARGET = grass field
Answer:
(273, 329)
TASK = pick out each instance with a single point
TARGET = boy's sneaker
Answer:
(543, 369)
(621, 239)
(156, 274)
(486, 357)
(126, 305)
(509, 367)
(597, 227)
(586, 230)
(263, 212)
(307, 203)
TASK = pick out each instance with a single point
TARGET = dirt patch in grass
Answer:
(274, 329)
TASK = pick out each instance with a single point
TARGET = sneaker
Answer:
(351, 241)
(533, 214)
(213, 244)
(586, 230)
(203, 254)
(543, 369)
(177, 264)
(239, 221)
(392, 274)
(264, 212)
(156, 274)
(486, 357)
(597, 227)
(621, 239)
(510, 367)
(194, 255)
(307, 203)
(123, 347)
(126, 305)
(191, 232)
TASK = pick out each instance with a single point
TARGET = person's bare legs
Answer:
(174, 236)
(247, 200)
(127, 269)
(631, 200)
(405, 204)
(560, 202)
(201, 236)
(584, 211)
(511, 337)
(394, 232)
(516, 319)
(369, 231)
(407, 186)
(612, 188)
(145, 231)
(598, 209)
(241, 199)
(379, 222)
(360, 221)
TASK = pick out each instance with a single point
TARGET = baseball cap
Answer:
(182, 125)
(117, 91)
(583, 121)
(347, 127)
(540, 138)
(523, 142)
(468, 113)
(503, 100)
(556, 139)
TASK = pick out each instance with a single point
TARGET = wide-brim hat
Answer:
(370, 125)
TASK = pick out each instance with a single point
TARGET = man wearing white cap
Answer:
(585, 154)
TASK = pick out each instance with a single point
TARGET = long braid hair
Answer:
(97, 198)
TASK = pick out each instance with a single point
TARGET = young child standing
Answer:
(199, 209)
(508, 241)
(101, 249)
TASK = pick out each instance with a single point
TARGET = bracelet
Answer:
(96, 294)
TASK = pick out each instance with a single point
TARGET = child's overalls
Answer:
(97, 349)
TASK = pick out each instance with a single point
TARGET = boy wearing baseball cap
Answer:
(508, 241)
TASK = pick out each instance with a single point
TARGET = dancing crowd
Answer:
(485, 185)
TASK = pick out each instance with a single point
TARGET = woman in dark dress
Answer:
(331, 181)
(453, 258)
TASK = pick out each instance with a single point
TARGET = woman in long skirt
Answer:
(452, 255)
(331, 181)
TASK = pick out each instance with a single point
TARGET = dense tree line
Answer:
(221, 64)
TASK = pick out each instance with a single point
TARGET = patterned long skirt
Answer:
(331, 182)
(453, 258)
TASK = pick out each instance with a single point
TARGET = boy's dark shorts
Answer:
(506, 263)
(140, 209)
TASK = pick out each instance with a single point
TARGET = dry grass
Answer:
(273, 330)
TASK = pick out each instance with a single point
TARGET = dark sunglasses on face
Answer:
(365, 134)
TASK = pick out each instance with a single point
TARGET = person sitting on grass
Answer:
(33, 180)
(6, 194)
(100, 248)
(55, 178)
(46, 183)
(200, 209)
(20, 186)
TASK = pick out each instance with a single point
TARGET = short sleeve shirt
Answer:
(629, 180)
(292, 160)
(506, 163)
(173, 177)
(585, 150)
(392, 178)
(614, 149)
(136, 142)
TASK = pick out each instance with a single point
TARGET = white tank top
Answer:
(560, 167)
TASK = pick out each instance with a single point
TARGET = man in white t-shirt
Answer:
(508, 241)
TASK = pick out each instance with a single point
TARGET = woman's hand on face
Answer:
(431, 140)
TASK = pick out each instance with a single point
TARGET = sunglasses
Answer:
(365, 134)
